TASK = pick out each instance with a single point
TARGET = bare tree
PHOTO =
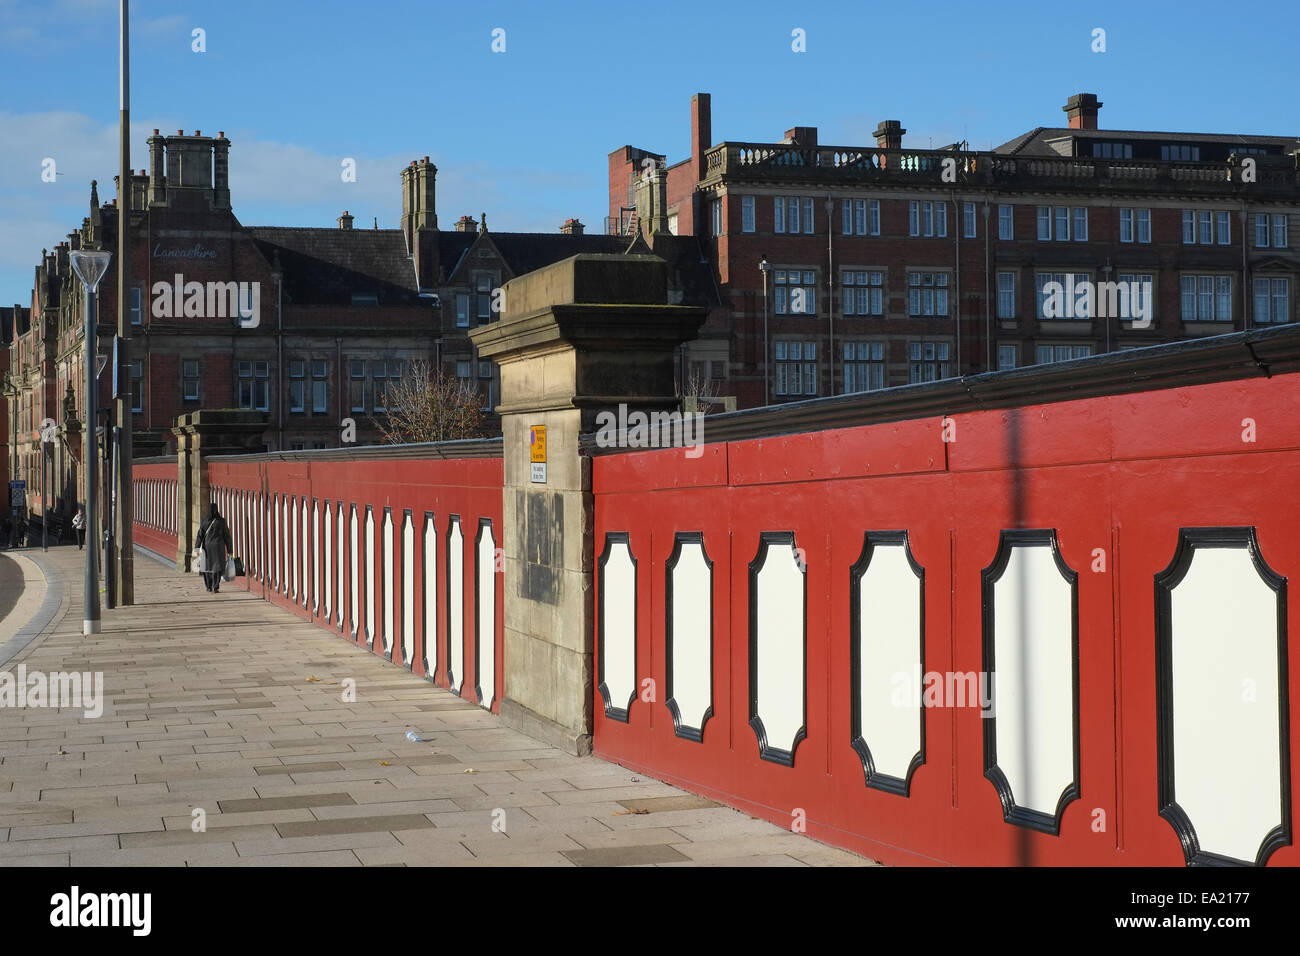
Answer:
(428, 405)
(699, 393)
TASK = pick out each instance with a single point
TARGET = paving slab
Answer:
(227, 703)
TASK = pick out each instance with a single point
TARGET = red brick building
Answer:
(887, 265)
(310, 325)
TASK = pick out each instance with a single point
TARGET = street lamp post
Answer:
(765, 267)
(90, 268)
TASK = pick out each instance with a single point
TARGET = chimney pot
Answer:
(180, 132)
(426, 159)
(196, 132)
(1082, 110)
(221, 134)
(155, 132)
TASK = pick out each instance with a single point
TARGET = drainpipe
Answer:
(1245, 279)
(960, 222)
(830, 292)
(279, 375)
(988, 321)
(338, 382)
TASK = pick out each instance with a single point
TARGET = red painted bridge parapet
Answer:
(396, 549)
(955, 625)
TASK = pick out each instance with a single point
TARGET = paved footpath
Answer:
(227, 705)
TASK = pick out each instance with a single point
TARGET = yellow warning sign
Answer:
(537, 443)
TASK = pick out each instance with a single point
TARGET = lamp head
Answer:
(90, 267)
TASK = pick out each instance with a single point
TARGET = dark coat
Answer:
(214, 539)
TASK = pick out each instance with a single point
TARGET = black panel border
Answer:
(765, 750)
(685, 537)
(1023, 816)
(478, 636)
(367, 574)
(453, 521)
(326, 607)
(408, 660)
(390, 639)
(1189, 539)
(317, 556)
(341, 592)
(353, 578)
(872, 778)
(431, 676)
(611, 711)
(308, 536)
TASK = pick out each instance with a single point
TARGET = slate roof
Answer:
(326, 266)
(1036, 142)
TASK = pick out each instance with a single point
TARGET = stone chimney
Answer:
(572, 227)
(1082, 110)
(701, 130)
(157, 171)
(420, 220)
(802, 136)
(345, 220)
(466, 224)
(220, 171)
(889, 134)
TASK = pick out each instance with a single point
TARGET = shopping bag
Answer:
(200, 560)
(239, 567)
(230, 571)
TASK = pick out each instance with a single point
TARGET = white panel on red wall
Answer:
(778, 647)
(485, 614)
(354, 578)
(429, 576)
(688, 657)
(887, 656)
(341, 554)
(1031, 740)
(617, 636)
(408, 589)
(315, 556)
(455, 604)
(291, 519)
(1222, 705)
(303, 554)
(329, 562)
(387, 538)
(369, 558)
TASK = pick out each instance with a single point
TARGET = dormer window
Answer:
(365, 298)
(1180, 154)
(1112, 150)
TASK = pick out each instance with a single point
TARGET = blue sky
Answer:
(523, 135)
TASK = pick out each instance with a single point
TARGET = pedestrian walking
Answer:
(214, 540)
(79, 525)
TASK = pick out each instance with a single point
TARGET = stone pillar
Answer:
(575, 338)
(199, 436)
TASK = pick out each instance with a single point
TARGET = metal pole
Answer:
(90, 452)
(45, 503)
(123, 511)
(110, 497)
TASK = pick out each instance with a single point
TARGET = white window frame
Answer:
(1006, 221)
(747, 220)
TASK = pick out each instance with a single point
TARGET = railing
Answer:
(841, 162)
(397, 549)
(153, 503)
